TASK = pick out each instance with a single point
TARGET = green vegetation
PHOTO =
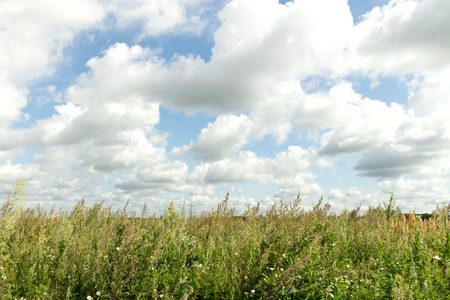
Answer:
(282, 253)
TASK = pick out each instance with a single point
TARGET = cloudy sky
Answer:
(155, 101)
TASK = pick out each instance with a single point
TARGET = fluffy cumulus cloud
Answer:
(289, 170)
(258, 43)
(219, 139)
(419, 194)
(103, 136)
(155, 18)
(370, 123)
(404, 36)
(298, 38)
(352, 198)
(419, 141)
(34, 33)
(11, 110)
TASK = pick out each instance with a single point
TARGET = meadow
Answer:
(284, 252)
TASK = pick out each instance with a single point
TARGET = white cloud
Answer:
(403, 36)
(122, 73)
(419, 149)
(34, 33)
(430, 95)
(369, 124)
(105, 121)
(336, 194)
(389, 161)
(12, 100)
(219, 139)
(163, 176)
(417, 143)
(53, 158)
(353, 197)
(10, 172)
(419, 194)
(51, 128)
(288, 169)
(126, 149)
(323, 110)
(233, 81)
(156, 18)
(5, 157)
(268, 32)
(287, 106)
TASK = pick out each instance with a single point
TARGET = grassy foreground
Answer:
(282, 253)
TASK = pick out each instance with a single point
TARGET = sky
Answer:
(188, 100)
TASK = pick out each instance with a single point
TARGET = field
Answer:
(282, 253)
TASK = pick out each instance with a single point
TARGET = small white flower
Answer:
(331, 295)
(89, 297)
(272, 269)
(98, 293)
(117, 248)
(281, 269)
(436, 257)
(252, 291)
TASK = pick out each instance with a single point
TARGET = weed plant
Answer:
(282, 253)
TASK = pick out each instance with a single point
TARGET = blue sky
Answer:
(190, 100)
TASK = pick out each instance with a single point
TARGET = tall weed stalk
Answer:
(285, 252)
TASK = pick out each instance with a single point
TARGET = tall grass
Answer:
(282, 253)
